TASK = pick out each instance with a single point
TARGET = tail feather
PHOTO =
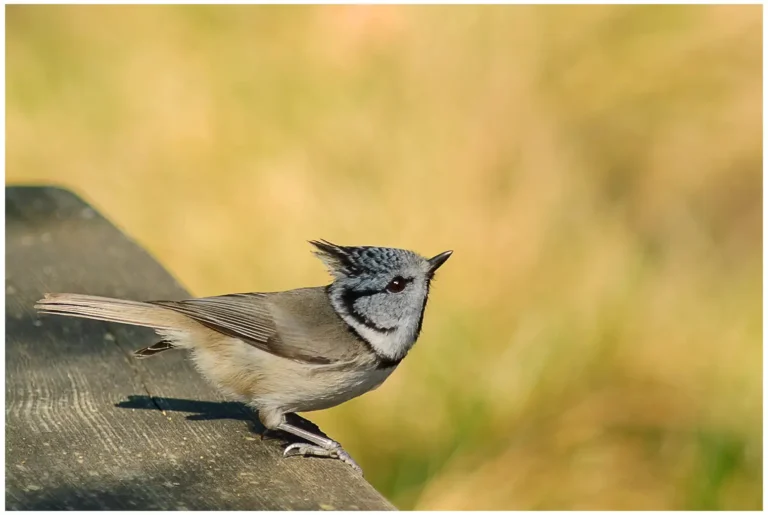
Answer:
(109, 310)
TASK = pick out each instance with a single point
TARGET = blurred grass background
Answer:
(595, 341)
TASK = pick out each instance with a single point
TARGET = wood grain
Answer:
(89, 427)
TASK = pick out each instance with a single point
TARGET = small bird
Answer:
(299, 350)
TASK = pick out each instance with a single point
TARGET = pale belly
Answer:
(329, 389)
(273, 383)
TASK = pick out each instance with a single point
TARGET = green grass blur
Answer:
(594, 342)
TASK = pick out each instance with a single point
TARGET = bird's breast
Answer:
(299, 387)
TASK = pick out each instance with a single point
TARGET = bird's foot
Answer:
(332, 451)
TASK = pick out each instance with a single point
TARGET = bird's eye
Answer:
(396, 285)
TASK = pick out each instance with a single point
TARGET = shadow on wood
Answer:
(227, 410)
(89, 427)
(201, 410)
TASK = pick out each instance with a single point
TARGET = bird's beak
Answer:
(437, 261)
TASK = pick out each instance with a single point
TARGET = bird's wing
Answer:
(295, 325)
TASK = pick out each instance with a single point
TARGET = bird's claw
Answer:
(344, 456)
(306, 449)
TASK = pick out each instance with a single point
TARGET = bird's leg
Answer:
(322, 446)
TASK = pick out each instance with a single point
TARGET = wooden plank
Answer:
(88, 427)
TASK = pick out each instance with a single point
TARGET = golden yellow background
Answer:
(595, 340)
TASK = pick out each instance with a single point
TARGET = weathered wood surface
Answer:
(89, 427)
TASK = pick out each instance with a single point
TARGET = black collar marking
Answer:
(349, 298)
(382, 361)
(421, 315)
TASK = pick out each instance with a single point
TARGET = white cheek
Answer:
(392, 345)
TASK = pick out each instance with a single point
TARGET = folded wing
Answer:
(289, 324)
